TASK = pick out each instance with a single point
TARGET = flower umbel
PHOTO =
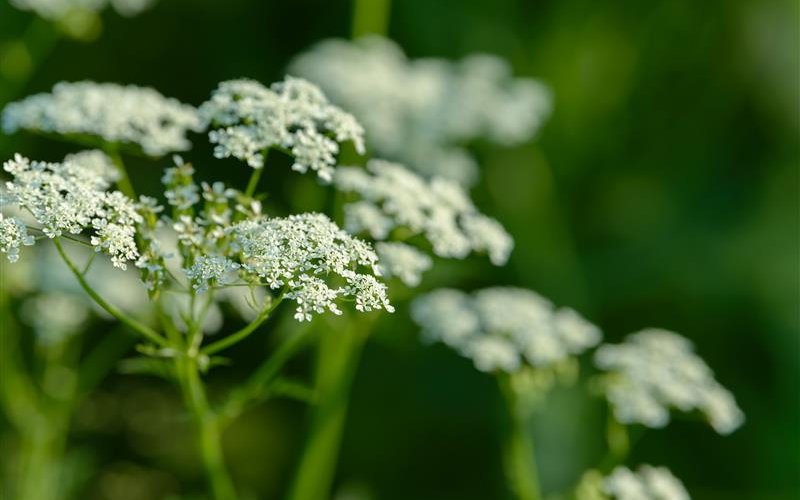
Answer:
(117, 114)
(420, 111)
(66, 198)
(655, 370)
(502, 328)
(302, 254)
(247, 119)
(440, 210)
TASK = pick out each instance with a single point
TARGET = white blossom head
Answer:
(56, 10)
(501, 329)
(13, 236)
(646, 483)
(66, 198)
(247, 119)
(393, 197)
(107, 113)
(656, 370)
(97, 162)
(313, 261)
(403, 262)
(420, 111)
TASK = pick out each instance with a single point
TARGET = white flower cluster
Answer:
(210, 270)
(393, 196)
(66, 198)
(300, 252)
(55, 10)
(419, 111)
(402, 261)
(107, 111)
(96, 162)
(647, 483)
(247, 119)
(501, 328)
(655, 370)
(13, 235)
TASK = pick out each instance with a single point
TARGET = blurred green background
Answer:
(662, 192)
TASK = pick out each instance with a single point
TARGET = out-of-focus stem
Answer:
(257, 386)
(619, 444)
(371, 17)
(337, 361)
(520, 459)
(208, 429)
(252, 184)
(124, 182)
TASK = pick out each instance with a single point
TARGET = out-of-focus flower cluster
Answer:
(55, 10)
(646, 483)
(247, 119)
(66, 198)
(95, 112)
(656, 370)
(395, 198)
(501, 329)
(419, 111)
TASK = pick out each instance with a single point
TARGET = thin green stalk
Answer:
(371, 17)
(519, 454)
(337, 361)
(209, 432)
(242, 334)
(41, 453)
(252, 184)
(124, 182)
(619, 444)
(101, 360)
(130, 322)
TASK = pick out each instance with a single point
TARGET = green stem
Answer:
(337, 361)
(124, 182)
(208, 429)
(41, 451)
(371, 17)
(619, 444)
(242, 334)
(519, 455)
(131, 323)
(252, 184)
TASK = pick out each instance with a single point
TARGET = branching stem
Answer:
(130, 322)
